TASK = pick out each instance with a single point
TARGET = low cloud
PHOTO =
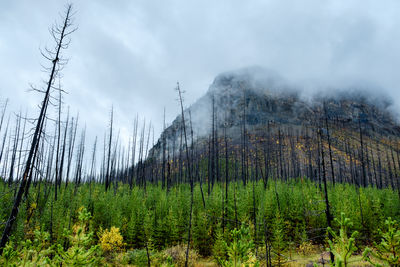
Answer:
(131, 54)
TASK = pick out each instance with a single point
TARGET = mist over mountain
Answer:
(258, 97)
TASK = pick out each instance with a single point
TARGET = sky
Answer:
(130, 54)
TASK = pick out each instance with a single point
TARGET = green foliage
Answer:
(137, 257)
(219, 250)
(279, 243)
(238, 251)
(82, 252)
(159, 219)
(201, 234)
(388, 250)
(37, 251)
(79, 256)
(8, 256)
(342, 246)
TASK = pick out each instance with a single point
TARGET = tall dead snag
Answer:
(4, 140)
(60, 35)
(134, 137)
(163, 138)
(71, 146)
(3, 113)
(145, 157)
(21, 146)
(254, 200)
(107, 182)
(58, 127)
(14, 150)
(244, 147)
(217, 173)
(212, 158)
(395, 176)
(92, 168)
(225, 210)
(1, 125)
(209, 166)
(189, 173)
(60, 175)
(79, 161)
(364, 173)
(192, 154)
(329, 144)
(327, 207)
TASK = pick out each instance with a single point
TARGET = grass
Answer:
(297, 260)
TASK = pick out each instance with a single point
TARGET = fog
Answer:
(130, 54)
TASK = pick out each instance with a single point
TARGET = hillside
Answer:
(259, 97)
(258, 111)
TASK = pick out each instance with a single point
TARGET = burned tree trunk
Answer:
(364, 173)
(108, 178)
(61, 43)
(327, 206)
(329, 145)
(189, 173)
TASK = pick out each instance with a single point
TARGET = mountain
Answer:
(257, 97)
(257, 109)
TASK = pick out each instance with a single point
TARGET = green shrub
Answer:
(9, 255)
(239, 252)
(388, 251)
(137, 257)
(81, 252)
(342, 246)
(279, 243)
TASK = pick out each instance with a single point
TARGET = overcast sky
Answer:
(132, 53)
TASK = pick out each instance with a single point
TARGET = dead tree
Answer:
(192, 156)
(4, 139)
(1, 125)
(134, 138)
(92, 168)
(225, 210)
(58, 144)
(79, 161)
(244, 141)
(380, 186)
(60, 175)
(327, 206)
(2, 114)
(163, 138)
(189, 173)
(212, 158)
(329, 144)
(20, 147)
(71, 146)
(107, 182)
(145, 156)
(60, 35)
(14, 150)
(364, 173)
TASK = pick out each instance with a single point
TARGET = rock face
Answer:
(257, 97)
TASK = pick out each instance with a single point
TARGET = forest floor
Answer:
(294, 261)
(297, 260)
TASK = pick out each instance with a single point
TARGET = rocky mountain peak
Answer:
(258, 97)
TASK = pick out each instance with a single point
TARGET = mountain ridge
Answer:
(267, 97)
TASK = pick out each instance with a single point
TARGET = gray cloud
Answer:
(131, 53)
